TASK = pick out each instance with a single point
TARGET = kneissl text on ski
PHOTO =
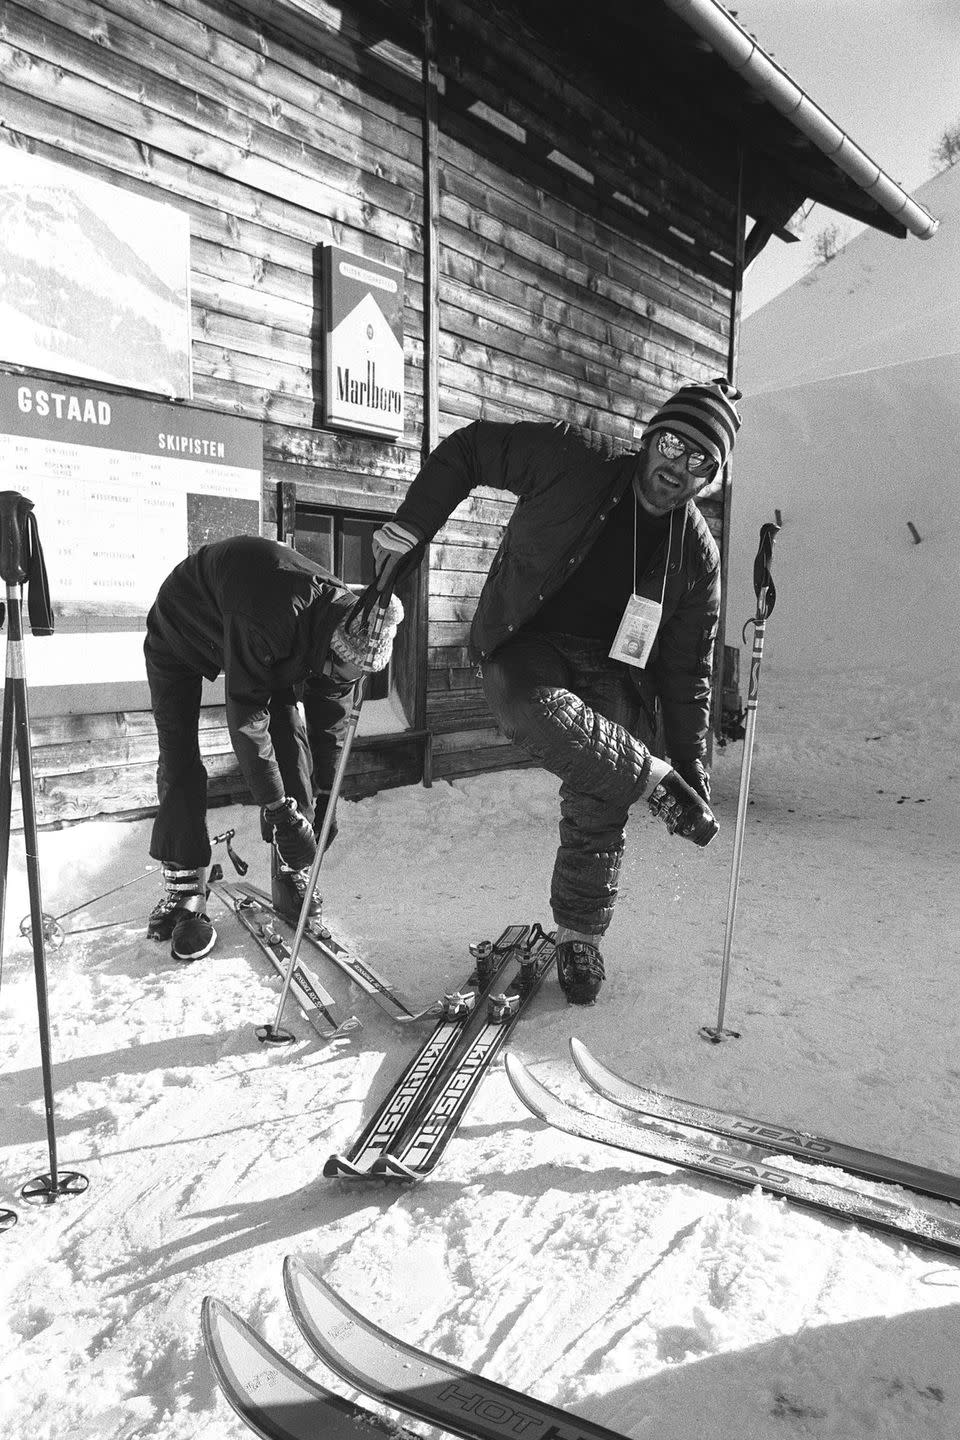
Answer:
(416, 1150)
(416, 1082)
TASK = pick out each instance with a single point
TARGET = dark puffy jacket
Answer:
(263, 615)
(565, 481)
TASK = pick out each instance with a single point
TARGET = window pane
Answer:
(356, 554)
(315, 538)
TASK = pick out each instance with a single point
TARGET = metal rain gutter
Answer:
(732, 43)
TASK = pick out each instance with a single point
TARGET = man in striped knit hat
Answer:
(597, 619)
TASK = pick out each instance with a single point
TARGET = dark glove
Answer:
(695, 773)
(682, 810)
(285, 827)
(321, 801)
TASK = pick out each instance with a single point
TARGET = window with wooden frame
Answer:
(342, 541)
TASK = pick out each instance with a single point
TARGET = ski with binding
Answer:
(423, 1071)
(273, 1397)
(358, 971)
(767, 1136)
(408, 1379)
(737, 1163)
(309, 994)
(416, 1149)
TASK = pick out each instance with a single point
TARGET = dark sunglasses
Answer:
(671, 447)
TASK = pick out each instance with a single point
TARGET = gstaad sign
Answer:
(363, 384)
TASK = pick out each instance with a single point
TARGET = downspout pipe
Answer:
(732, 43)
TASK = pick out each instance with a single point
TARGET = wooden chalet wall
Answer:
(583, 272)
(583, 277)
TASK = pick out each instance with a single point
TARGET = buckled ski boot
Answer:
(580, 971)
(179, 916)
(287, 889)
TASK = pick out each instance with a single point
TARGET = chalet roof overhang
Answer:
(713, 87)
(781, 124)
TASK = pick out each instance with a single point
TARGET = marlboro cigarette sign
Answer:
(363, 344)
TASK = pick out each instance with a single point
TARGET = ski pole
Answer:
(53, 932)
(21, 561)
(274, 1034)
(766, 593)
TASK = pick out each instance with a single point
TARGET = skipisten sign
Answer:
(363, 386)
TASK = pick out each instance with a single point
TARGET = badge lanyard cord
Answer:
(663, 587)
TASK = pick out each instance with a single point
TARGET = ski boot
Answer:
(287, 889)
(580, 971)
(179, 916)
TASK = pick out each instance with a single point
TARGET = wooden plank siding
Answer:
(581, 273)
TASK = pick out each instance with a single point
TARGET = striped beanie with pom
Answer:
(704, 414)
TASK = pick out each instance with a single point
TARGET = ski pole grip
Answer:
(762, 578)
(377, 594)
(15, 551)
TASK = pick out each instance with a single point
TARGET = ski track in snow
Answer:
(658, 1303)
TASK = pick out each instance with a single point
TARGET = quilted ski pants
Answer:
(579, 715)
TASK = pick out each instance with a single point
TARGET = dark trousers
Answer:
(180, 827)
(580, 716)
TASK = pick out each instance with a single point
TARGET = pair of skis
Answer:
(260, 921)
(280, 1402)
(324, 943)
(256, 913)
(741, 1155)
(406, 1136)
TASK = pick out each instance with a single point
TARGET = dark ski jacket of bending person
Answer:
(275, 625)
(601, 605)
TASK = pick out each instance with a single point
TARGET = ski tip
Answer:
(577, 1047)
(585, 1062)
(518, 1075)
(211, 1311)
(340, 1167)
(388, 1167)
(217, 1323)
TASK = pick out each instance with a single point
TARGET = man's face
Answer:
(662, 481)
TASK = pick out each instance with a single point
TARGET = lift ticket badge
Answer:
(637, 631)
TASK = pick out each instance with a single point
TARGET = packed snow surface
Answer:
(654, 1301)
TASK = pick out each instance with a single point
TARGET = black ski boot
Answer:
(287, 889)
(178, 916)
(580, 971)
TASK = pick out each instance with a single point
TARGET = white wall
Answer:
(851, 428)
(848, 461)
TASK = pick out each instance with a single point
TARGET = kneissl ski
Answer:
(737, 1164)
(415, 1150)
(273, 1397)
(765, 1135)
(408, 1379)
(308, 993)
(423, 1070)
(358, 971)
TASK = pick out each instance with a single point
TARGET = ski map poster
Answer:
(123, 489)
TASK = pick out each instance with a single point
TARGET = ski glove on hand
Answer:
(283, 825)
(682, 810)
(696, 776)
(390, 543)
(350, 642)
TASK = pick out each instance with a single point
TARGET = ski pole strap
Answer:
(21, 558)
(373, 596)
(762, 579)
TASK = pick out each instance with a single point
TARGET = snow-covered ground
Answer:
(655, 1302)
